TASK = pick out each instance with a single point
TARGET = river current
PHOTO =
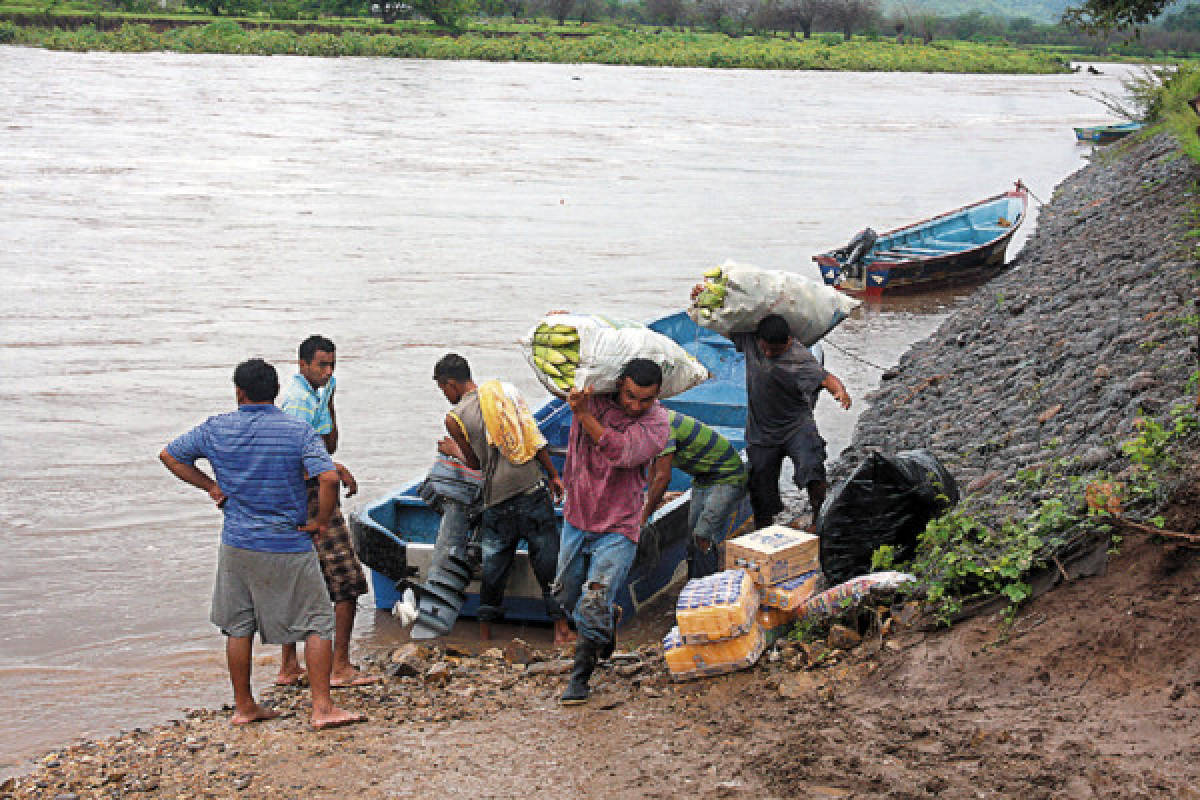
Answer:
(164, 216)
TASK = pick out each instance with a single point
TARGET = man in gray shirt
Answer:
(517, 500)
(782, 381)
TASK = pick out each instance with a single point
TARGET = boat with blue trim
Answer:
(965, 245)
(1105, 134)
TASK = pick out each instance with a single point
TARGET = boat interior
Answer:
(956, 232)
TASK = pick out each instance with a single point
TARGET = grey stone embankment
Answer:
(1053, 361)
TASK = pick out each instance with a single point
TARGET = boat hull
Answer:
(1106, 134)
(918, 257)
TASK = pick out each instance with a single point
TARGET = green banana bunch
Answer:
(713, 295)
(556, 353)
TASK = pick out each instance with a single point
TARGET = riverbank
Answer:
(616, 47)
(1091, 693)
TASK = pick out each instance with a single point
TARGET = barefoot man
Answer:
(268, 578)
(309, 398)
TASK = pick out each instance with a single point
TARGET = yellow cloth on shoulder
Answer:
(509, 423)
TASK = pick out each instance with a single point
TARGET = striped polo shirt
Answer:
(702, 452)
(259, 456)
(307, 404)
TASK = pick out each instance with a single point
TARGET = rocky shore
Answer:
(1056, 359)
(1092, 692)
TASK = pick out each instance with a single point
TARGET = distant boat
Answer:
(1104, 134)
(394, 534)
(960, 246)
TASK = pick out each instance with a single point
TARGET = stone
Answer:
(1142, 381)
(1049, 414)
(518, 652)
(438, 674)
(559, 666)
(798, 684)
(843, 638)
(494, 653)
(982, 482)
(1095, 458)
(629, 670)
(407, 662)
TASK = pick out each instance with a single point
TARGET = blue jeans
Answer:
(591, 569)
(708, 521)
(529, 517)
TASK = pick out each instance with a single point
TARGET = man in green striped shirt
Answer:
(718, 486)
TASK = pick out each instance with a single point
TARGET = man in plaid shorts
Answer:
(309, 398)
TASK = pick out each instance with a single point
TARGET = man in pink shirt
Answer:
(612, 441)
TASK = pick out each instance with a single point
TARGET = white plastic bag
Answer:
(606, 345)
(811, 308)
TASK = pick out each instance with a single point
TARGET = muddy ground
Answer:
(1092, 692)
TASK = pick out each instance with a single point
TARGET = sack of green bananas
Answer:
(737, 296)
(570, 351)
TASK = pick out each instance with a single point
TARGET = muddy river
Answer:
(164, 216)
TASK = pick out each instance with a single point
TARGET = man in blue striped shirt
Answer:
(268, 579)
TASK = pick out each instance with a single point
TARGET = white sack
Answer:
(606, 345)
(811, 308)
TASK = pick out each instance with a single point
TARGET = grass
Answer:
(600, 44)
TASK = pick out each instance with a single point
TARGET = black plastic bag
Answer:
(888, 500)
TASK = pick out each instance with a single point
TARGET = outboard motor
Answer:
(856, 250)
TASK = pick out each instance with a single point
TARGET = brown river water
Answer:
(165, 216)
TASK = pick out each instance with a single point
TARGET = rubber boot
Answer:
(585, 661)
(605, 651)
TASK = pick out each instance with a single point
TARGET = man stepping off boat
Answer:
(782, 381)
(268, 576)
(309, 398)
(613, 438)
(719, 479)
(492, 430)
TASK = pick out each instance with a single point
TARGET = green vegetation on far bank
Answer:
(668, 49)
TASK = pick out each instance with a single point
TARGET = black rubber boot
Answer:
(605, 651)
(585, 661)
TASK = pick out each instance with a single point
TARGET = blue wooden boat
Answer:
(394, 535)
(965, 245)
(1104, 134)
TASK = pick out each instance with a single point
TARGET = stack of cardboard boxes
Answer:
(725, 621)
(786, 565)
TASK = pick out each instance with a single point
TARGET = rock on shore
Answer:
(1054, 360)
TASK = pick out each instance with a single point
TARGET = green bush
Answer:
(1176, 114)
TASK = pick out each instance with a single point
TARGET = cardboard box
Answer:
(688, 661)
(716, 607)
(792, 593)
(774, 554)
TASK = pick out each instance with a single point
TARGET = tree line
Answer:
(1096, 30)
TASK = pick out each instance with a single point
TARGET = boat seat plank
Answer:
(919, 251)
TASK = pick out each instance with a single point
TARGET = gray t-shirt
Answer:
(779, 391)
(504, 479)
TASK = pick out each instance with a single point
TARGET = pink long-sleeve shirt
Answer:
(606, 480)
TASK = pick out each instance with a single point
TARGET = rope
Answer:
(1034, 196)
(846, 352)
